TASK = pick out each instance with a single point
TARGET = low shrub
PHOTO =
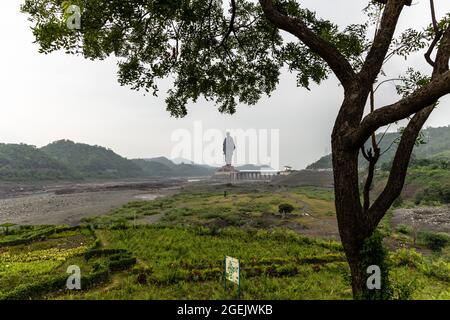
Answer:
(405, 257)
(102, 253)
(439, 193)
(122, 263)
(404, 229)
(285, 208)
(439, 269)
(403, 290)
(434, 241)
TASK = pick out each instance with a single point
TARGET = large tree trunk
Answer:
(354, 223)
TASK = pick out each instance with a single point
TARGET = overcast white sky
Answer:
(44, 98)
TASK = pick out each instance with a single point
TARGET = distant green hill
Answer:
(92, 161)
(153, 168)
(163, 161)
(437, 146)
(67, 160)
(163, 167)
(193, 170)
(20, 162)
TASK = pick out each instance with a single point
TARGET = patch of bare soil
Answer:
(150, 219)
(70, 207)
(320, 227)
(424, 218)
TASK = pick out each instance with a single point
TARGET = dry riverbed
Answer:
(68, 204)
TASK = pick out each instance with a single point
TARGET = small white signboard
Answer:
(232, 269)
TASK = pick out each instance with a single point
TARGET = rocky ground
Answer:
(69, 203)
(424, 218)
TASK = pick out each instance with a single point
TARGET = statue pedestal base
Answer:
(225, 173)
(227, 168)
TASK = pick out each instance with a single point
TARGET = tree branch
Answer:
(437, 37)
(420, 99)
(400, 165)
(433, 16)
(372, 158)
(407, 2)
(231, 26)
(337, 62)
(402, 157)
(383, 38)
(423, 97)
(443, 54)
(427, 55)
(385, 81)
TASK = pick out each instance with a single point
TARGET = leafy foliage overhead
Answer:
(193, 43)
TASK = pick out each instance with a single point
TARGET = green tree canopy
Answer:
(227, 55)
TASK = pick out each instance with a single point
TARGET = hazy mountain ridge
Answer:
(67, 160)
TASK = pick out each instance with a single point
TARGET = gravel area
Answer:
(424, 218)
(69, 204)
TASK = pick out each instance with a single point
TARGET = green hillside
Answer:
(92, 161)
(193, 170)
(436, 146)
(163, 167)
(153, 168)
(67, 160)
(163, 161)
(20, 162)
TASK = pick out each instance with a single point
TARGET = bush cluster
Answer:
(285, 208)
(435, 193)
(434, 241)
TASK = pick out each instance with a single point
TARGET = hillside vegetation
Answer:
(163, 167)
(426, 183)
(19, 162)
(91, 161)
(67, 160)
(435, 146)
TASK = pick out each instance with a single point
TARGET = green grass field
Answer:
(181, 256)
